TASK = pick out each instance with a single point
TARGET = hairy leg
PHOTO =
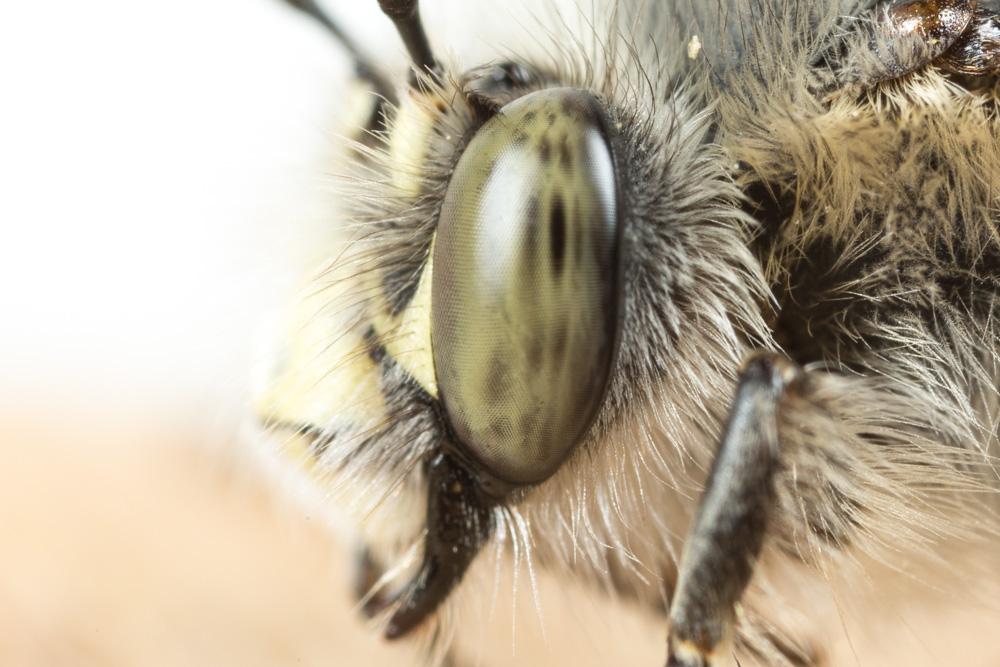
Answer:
(820, 469)
(732, 519)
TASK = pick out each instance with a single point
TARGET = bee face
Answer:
(575, 297)
(517, 294)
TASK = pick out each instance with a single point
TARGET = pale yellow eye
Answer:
(526, 302)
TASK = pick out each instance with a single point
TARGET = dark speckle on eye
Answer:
(565, 156)
(577, 237)
(559, 339)
(531, 233)
(557, 235)
(495, 384)
(528, 424)
(545, 150)
(536, 351)
(501, 427)
(530, 116)
(551, 118)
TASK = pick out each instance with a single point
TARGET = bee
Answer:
(693, 296)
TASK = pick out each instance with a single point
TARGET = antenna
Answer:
(405, 14)
(364, 68)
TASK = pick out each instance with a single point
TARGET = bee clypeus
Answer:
(707, 290)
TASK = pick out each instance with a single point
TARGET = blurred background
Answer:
(159, 161)
(163, 173)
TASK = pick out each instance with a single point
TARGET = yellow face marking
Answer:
(407, 338)
(409, 139)
(325, 373)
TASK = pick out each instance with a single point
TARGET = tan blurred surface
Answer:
(135, 553)
(130, 550)
(118, 551)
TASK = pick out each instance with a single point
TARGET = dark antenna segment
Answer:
(405, 14)
(362, 65)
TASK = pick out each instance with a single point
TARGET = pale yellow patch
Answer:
(410, 137)
(407, 338)
(694, 47)
(298, 449)
(325, 372)
(690, 653)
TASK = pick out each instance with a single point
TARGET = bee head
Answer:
(540, 249)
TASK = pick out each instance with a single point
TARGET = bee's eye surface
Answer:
(526, 300)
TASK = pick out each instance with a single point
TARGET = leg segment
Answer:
(459, 522)
(732, 518)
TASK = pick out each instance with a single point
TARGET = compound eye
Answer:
(526, 301)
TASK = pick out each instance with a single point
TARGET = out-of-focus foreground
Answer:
(146, 550)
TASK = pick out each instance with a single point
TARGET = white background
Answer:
(161, 189)
(160, 168)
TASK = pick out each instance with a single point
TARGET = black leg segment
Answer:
(729, 527)
(459, 522)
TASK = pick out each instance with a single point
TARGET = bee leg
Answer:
(729, 527)
(367, 573)
(459, 522)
